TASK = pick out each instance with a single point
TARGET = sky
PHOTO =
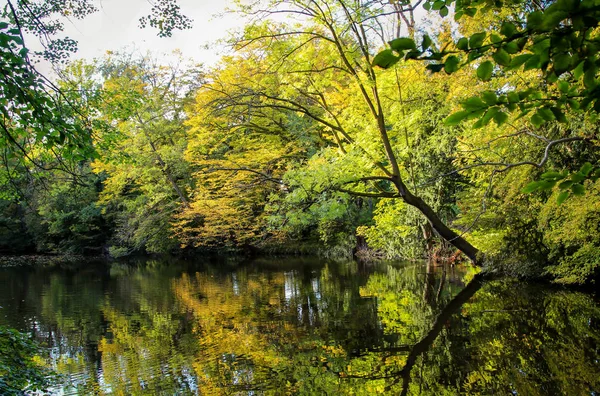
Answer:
(116, 26)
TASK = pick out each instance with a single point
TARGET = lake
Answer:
(302, 326)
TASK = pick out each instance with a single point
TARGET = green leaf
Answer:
(562, 63)
(533, 63)
(578, 189)
(476, 114)
(589, 77)
(456, 118)
(495, 39)
(500, 118)
(484, 71)
(573, 104)
(534, 20)
(578, 71)
(463, 44)
(536, 120)
(444, 11)
(546, 114)
(565, 185)
(478, 124)
(473, 103)
(519, 60)
(552, 175)
(385, 59)
(489, 97)
(474, 55)
(586, 168)
(552, 18)
(562, 197)
(438, 4)
(547, 184)
(513, 97)
(578, 177)
(476, 40)
(564, 86)
(512, 48)
(403, 43)
(471, 11)
(501, 57)
(508, 29)
(489, 115)
(426, 43)
(531, 187)
(560, 116)
(451, 64)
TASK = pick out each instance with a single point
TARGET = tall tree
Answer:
(35, 111)
(148, 179)
(345, 35)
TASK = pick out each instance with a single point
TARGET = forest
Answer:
(459, 130)
(358, 197)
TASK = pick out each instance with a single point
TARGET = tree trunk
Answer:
(428, 236)
(438, 225)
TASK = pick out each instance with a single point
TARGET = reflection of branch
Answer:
(423, 346)
(400, 348)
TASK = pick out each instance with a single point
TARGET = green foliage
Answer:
(34, 114)
(20, 369)
(297, 137)
(311, 206)
(559, 40)
(570, 231)
(572, 184)
(147, 179)
(68, 218)
(14, 236)
(394, 232)
(166, 16)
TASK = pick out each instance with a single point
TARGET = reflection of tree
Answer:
(147, 353)
(507, 340)
(406, 303)
(275, 330)
(426, 342)
(62, 312)
(533, 341)
(309, 329)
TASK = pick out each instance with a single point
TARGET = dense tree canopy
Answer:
(352, 127)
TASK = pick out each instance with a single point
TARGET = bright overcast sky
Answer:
(116, 26)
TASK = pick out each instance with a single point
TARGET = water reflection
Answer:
(303, 327)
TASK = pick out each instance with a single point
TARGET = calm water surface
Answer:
(290, 326)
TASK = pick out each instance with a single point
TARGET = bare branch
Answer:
(243, 169)
(506, 166)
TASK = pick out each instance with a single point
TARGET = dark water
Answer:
(309, 327)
